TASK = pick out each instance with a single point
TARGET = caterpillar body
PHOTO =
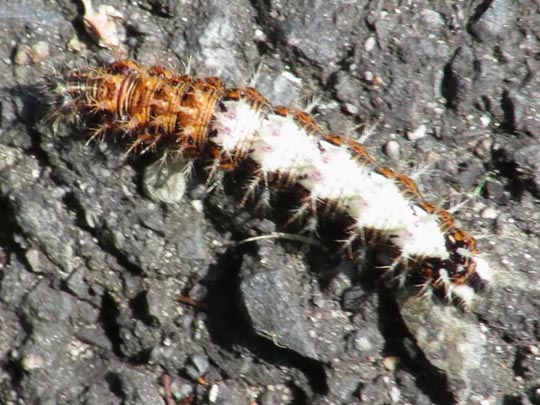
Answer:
(200, 118)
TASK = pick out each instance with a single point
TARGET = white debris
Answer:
(104, 26)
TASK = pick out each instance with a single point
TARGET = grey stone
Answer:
(137, 338)
(33, 258)
(312, 28)
(455, 345)
(181, 390)
(8, 156)
(424, 50)
(273, 306)
(226, 392)
(12, 332)
(49, 369)
(198, 366)
(47, 231)
(494, 21)
(15, 283)
(47, 304)
(432, 18)
(138, 387)
(161, 303)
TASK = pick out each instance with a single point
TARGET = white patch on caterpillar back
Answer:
(422, 237)
(380, 205)
(283, 147)
(235, 127)
(280, 145)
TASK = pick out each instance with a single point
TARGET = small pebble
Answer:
(483, 147)
(39, 52)
(213, 393)
(536, 394)
(485, 120)
(75, 45)
(198, 205)
(259, 36)
(390, 362)
(362, 344)
(489, 213)
(392, 150)
(350, 108)
(370, 43)
(198, 292)
(395, 394)
(8, 156)
(202, 363)
(180, 390)
(368, 76)
(22, 56)
(418, 133)
(33, 258)
(32, 362)
(431, 18)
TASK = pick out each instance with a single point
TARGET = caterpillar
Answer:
(281, 148)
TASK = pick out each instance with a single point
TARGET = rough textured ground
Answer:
(91, 269)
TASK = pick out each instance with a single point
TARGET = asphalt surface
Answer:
(108, 297)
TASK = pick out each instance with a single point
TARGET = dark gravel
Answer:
(91, 269)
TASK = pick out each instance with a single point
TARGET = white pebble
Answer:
(368, 76)
(418, 133)
(392, 150)
(370, 43)
(489, 213)
(213, 393)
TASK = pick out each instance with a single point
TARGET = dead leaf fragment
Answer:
(105, 25)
